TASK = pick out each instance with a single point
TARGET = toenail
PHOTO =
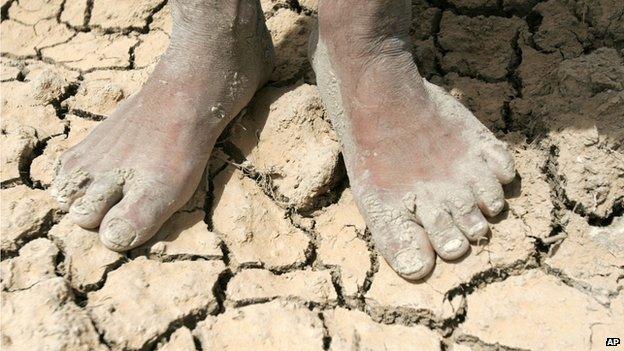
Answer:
(81, 208)
(497, 205)
(478, 229)
(406, 262)
(119, 235)
(452, 245)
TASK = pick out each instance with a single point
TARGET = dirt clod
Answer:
(184, 235)
(554, 316)
(26, 213)
(36, 262)
(285, 138)
(140, 300)
(181, 339)
(466, 39)
(255, 235)
(340, 228)
(272, 326)
(86, 259)
(46, 315)
(351, 330)
(591, 257)
(257, 285)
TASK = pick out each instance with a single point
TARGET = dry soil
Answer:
(271, 253)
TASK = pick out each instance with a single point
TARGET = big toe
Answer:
(400, 240)
(135, 219)
(413, 259)
(119, 234)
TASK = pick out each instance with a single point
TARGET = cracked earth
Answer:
(271, 252)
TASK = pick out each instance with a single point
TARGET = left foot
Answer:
(416, 158)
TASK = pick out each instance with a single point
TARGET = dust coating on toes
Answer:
(396, 234)
(127, 208)
(145, 160)
(68, 187)
(99, 197)
(429, 216)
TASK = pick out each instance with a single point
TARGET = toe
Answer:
(500, 161)
(407, 249)
(412, 257)
(119, 233)
(489, 195)
(69, 186)
(467, 216)
(101, 195)
(135, 219)
(447, 240)
(473, 224)
(400, 240)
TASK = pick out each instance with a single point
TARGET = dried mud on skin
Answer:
(271, 252)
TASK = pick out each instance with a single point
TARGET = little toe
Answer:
(101, 195)
(447, 240)
(500, 161)
(135, 219)
(489, 195)
(67, 187)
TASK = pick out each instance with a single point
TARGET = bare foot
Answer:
(416, 157)
(144, 161)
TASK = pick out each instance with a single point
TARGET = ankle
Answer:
(209, 33)
(363, 32)
(222, 13)
(213, 23)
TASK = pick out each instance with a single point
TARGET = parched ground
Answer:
(271, 253)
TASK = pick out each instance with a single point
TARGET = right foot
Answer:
(423, 169)
(145, 161)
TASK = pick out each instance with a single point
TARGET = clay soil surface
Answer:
(271, 253)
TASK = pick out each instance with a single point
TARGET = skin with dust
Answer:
(423, 169)
(144, 161)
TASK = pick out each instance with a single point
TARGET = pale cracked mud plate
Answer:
(271, 253)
